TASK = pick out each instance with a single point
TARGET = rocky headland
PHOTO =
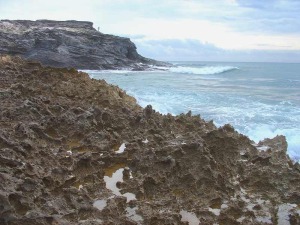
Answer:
(70, 44)
(75, 150)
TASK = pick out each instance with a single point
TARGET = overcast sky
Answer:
(203, 30)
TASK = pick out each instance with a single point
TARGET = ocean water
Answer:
(261, 100)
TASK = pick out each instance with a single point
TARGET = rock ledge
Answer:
(71, 44)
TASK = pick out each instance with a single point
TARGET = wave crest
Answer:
(206, 70)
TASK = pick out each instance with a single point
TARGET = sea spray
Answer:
(258, 99)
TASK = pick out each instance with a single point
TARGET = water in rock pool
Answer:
(261, 100)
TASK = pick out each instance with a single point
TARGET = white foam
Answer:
(159, 67)
(91, 72)
(268, 131)
(252, 110)
(206, 70)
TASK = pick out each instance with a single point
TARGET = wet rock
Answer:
(148, 111)
(57, 147)
(126, 172)
(294, 219)
(5, 208)
(189, 113)
(169, 160)
(28, 185)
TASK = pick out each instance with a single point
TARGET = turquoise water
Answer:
(259, 99)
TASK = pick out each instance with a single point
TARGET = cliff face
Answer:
(69, 44)
(75, 150)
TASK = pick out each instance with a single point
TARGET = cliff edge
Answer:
(71, 44)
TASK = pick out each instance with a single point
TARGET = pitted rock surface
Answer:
(59, 132)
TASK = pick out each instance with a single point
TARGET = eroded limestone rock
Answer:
(59, 134)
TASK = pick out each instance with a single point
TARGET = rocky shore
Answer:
(71, 44)
(75, 150)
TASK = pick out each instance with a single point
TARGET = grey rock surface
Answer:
(72, 44)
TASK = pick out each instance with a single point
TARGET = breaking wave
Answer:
(205, 70)
(260, 100)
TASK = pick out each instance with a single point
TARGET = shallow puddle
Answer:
(52, 132)
(283, 213)
(112, 169)
(121, 149)
(78, 184)
(111, 181)
(240, 220)
(73, 143)
(189, 217)
(131, 213)
(129, 196)
(113, 175)
(177, 192)
(80, 150)
(215, 211)
(100, 204)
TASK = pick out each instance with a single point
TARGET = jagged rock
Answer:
(71, 44)
(58, 160)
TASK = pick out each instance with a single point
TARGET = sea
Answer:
(260, 100)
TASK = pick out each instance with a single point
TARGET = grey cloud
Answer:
(252, 16)
(272, 16)
(257, 4)
(132, 36)
(175, 49)
(193, 50)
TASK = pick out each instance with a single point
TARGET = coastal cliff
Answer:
(75, 150)
(71, 44)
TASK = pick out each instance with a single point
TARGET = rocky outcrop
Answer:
(71, 44)
(75, 150)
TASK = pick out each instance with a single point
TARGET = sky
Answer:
(186, 30)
